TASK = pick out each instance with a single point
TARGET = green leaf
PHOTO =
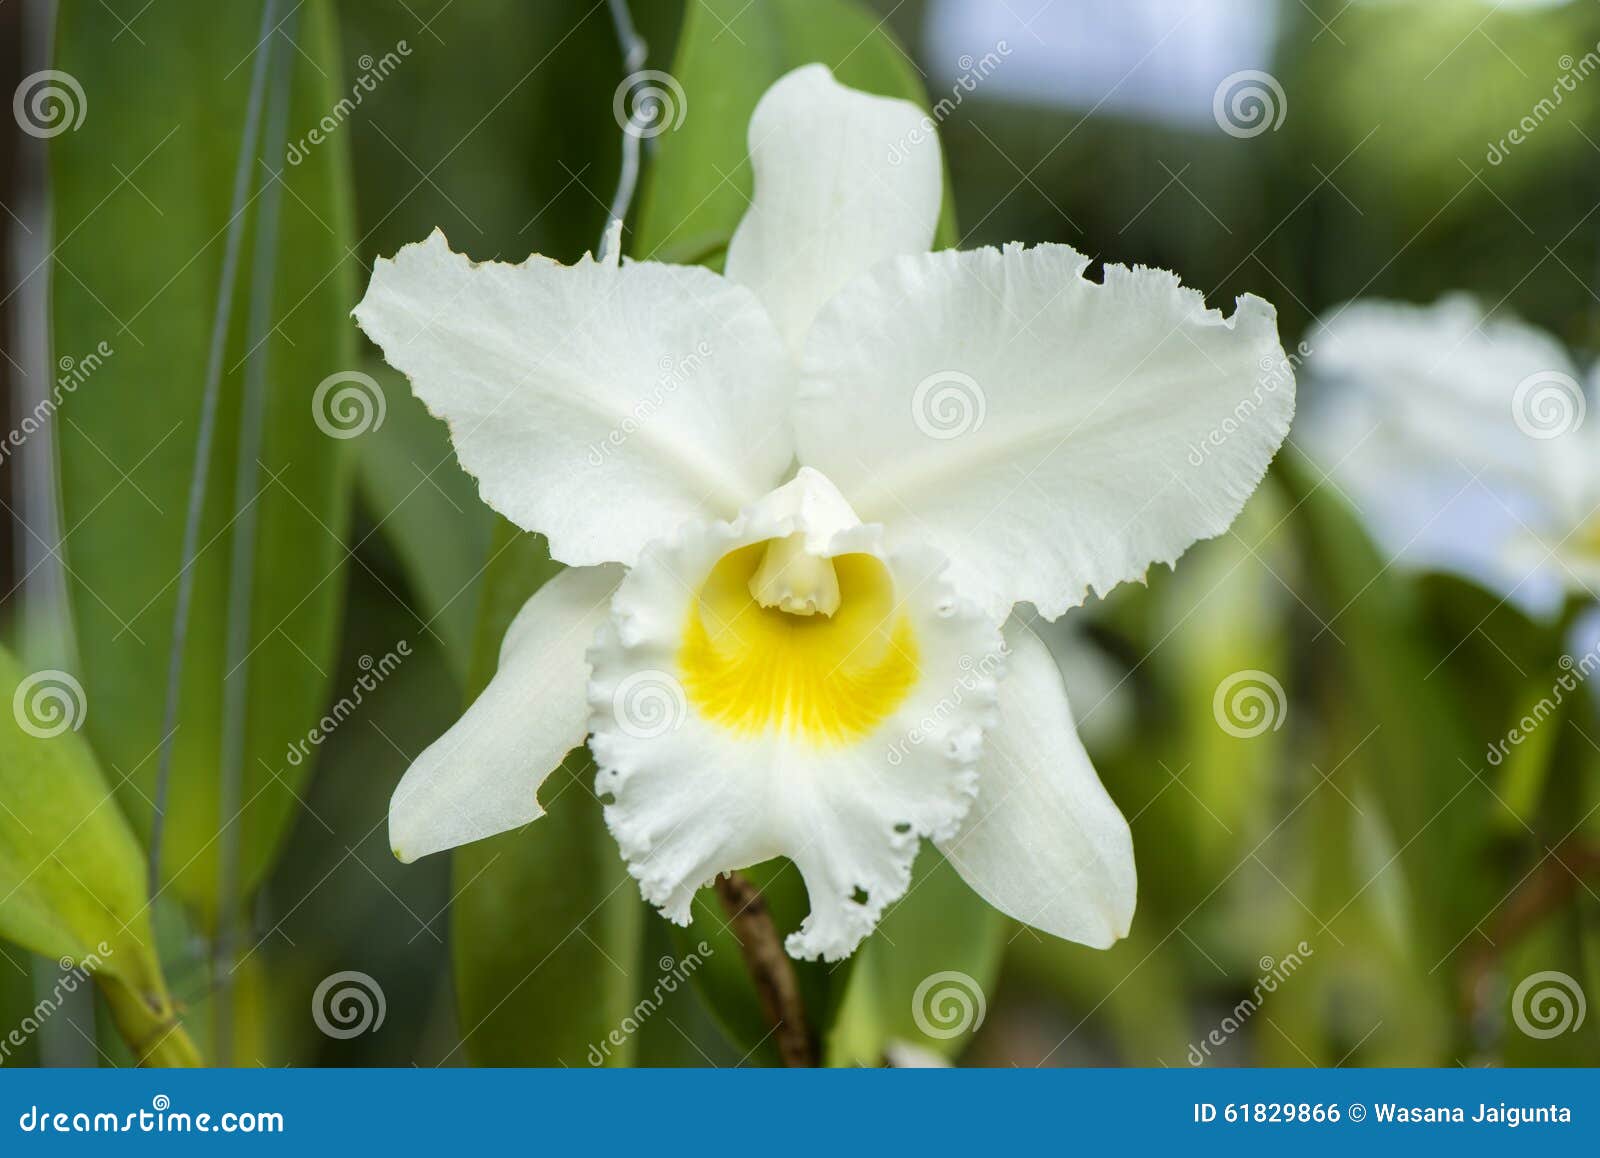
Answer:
(142, 200)
(71, 871)
(729, 53)
(1403, 729)
(546, 920)
(427, 507)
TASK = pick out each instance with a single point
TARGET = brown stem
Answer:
(770, 968)
(1541, 894)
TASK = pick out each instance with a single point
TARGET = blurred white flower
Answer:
(1465, 443)
(786, 614)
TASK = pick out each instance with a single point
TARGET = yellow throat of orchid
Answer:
(783, 642)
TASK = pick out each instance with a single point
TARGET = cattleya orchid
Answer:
(1461, 440)
(798, 502)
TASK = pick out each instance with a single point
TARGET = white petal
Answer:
(600, 405)
(1427, 511)
(1045, 843)
(1445, 378)
(842, 180)
(692, 798)
(1049, 433)
(1419, 416)
(483, 775)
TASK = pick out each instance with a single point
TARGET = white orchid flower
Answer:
(793, 554)
(1461, 441)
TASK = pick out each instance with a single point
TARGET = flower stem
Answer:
(770, 968)
(150, 1025)
(1541, 893)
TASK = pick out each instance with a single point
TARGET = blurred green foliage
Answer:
(1366, 827)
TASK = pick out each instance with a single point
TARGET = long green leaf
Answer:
(546, 921)
(142, 195)
(71, 870)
